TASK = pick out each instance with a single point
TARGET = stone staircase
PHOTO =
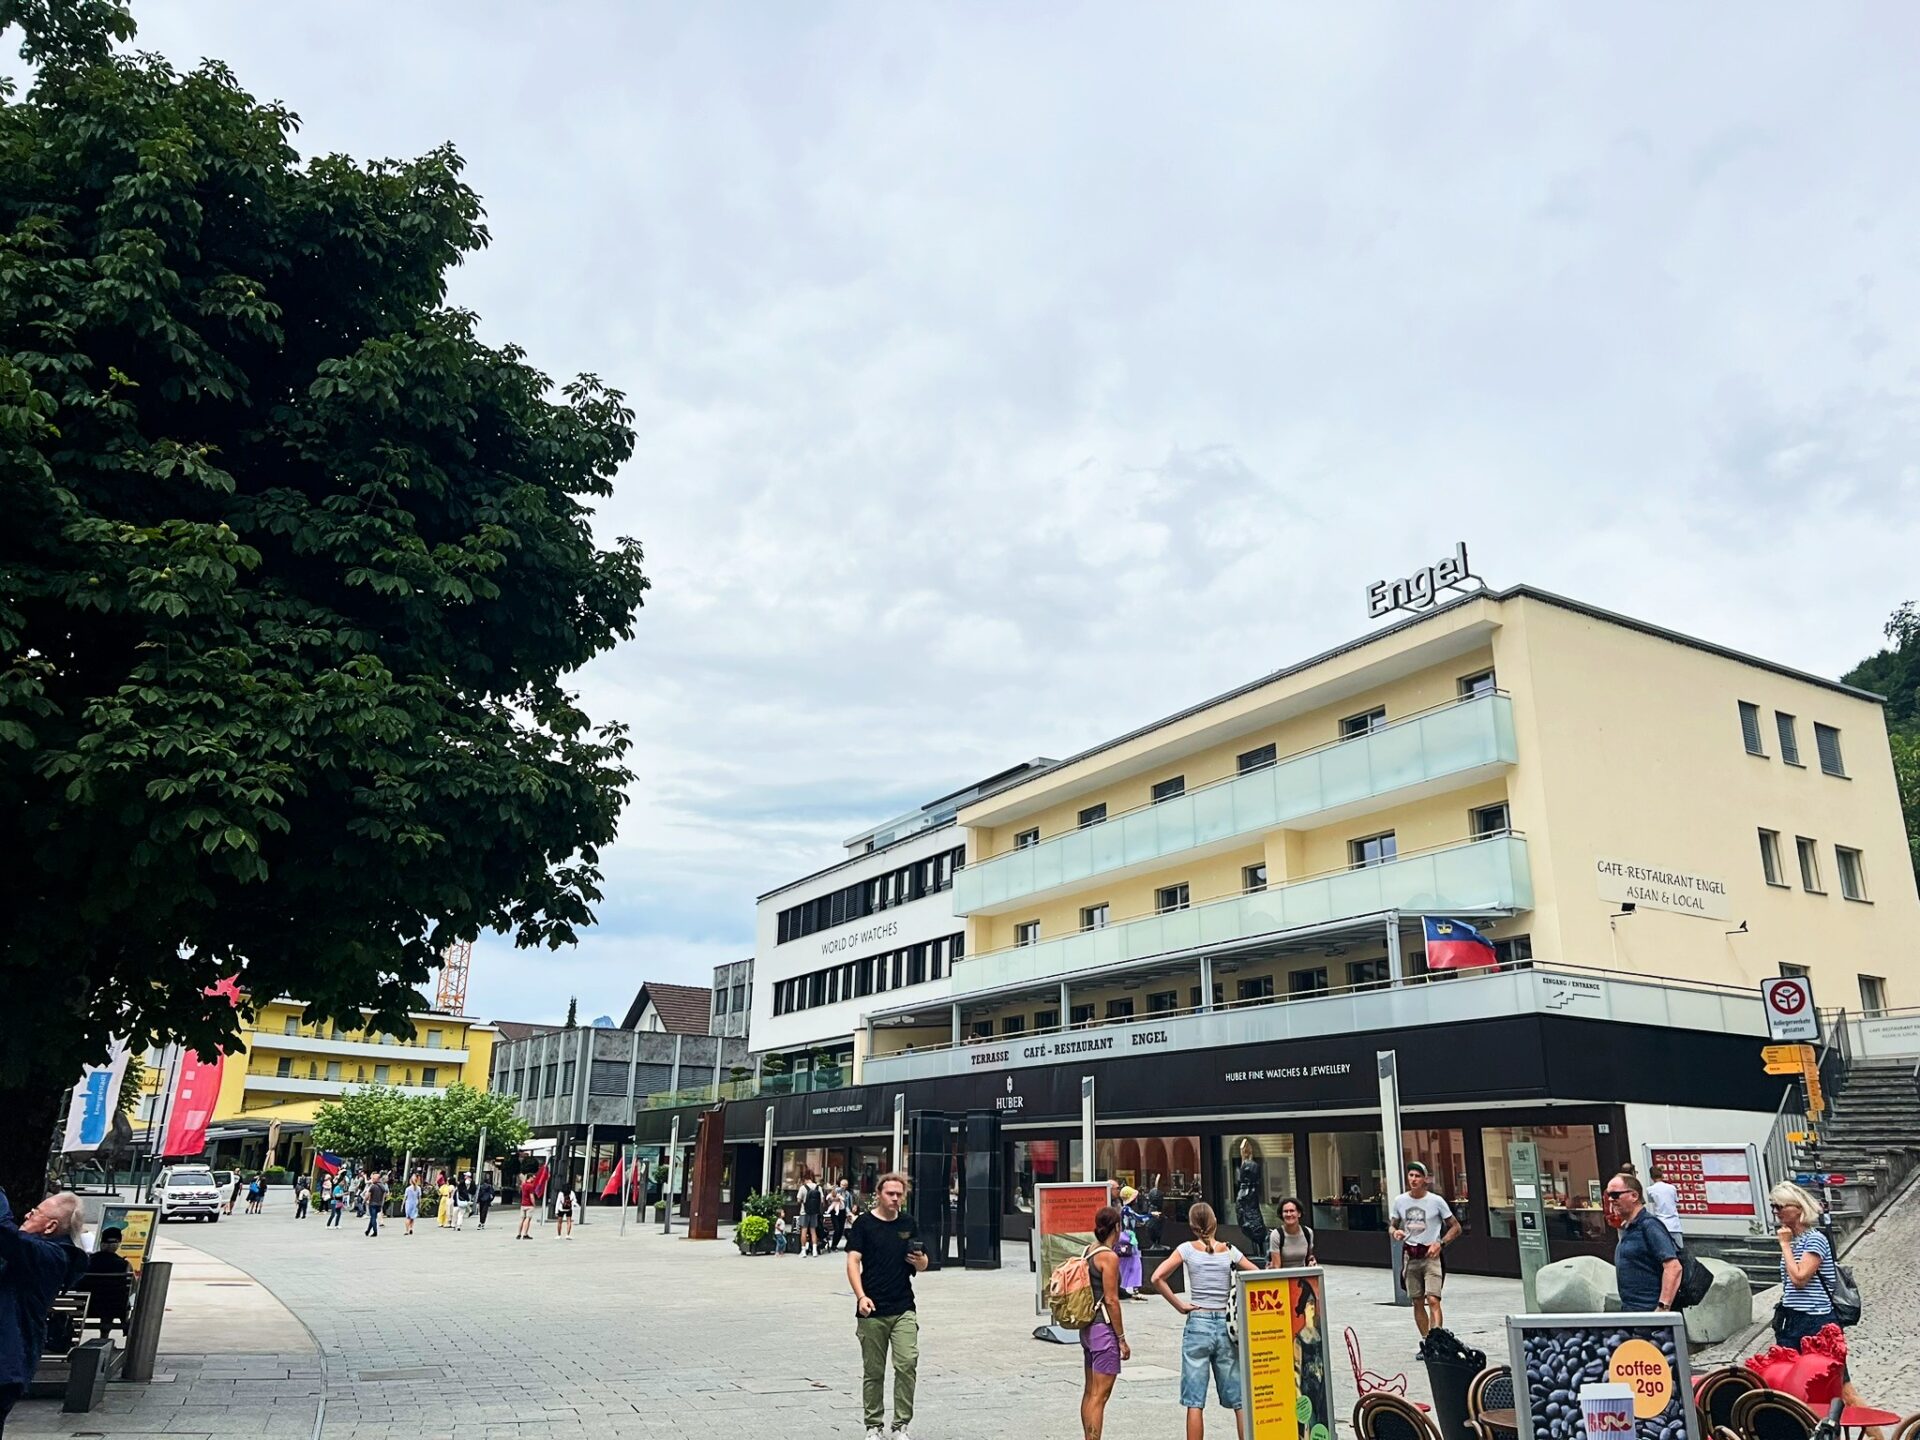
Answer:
(1871, 1135)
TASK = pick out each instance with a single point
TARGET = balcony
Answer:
(1456, 745)
(259, 1082)
(1471, 877)
(304, 1044)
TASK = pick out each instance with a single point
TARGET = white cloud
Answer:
(1008, 378)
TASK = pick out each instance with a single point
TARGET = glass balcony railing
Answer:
(1470, 877)
(1450, 742)
(806, 1083)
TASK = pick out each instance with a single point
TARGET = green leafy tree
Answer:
(1895, 673)
(573, 1013)
(293, 570)
(370, 1124)
(133, 1085)
(447, 1125)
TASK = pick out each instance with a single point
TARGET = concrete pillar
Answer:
(956, 1023)
(1066, 1003)
(1396, 963)
(1206, 984)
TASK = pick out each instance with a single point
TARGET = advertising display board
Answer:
(136, 1224)
(1283, 1353)
(1062, 1227)
(1556, 1356)
(1711, 1181)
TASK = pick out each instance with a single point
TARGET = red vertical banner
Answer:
(196, 1091)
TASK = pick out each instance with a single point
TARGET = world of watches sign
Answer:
(1661, 887)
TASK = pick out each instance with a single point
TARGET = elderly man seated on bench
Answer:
(108, 1284)
(42, 1259)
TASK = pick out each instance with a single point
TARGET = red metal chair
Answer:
(1369, 1382)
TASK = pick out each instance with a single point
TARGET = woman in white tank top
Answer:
(1207, 1344)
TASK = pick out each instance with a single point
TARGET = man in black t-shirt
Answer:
(884, 1251)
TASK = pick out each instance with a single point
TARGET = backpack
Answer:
(1844, 1297)
(1072, 1300)
(1695, 1281)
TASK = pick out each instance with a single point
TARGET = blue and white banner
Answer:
(95, 1098)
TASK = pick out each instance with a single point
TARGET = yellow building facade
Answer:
(1584, 789)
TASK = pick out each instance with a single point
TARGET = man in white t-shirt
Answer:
(1663, 1201)
(1424, 1225)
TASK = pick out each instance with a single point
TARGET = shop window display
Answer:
(1444, 1153)
(1035, 1162)
(1260, 1173)
(1570, 1181)
(1349, 1181)
(1170, 1161)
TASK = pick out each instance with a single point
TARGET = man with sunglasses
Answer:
(1646, 1263)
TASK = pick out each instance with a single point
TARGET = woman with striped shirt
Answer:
(1808, 1275)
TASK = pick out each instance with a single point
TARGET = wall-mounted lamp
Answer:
(1626, 908)
(1741, 931)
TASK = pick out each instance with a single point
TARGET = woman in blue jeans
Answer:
(1206, 1344)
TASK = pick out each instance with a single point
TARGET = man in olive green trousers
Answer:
(883, 1253)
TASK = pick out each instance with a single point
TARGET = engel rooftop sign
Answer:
(1420, 590)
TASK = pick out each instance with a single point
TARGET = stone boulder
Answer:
(1727, 1309)
(1583, 1285)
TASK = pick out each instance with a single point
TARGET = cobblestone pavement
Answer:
(479, 1335)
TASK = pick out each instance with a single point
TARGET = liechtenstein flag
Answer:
(327, 1164)
(1456, 945)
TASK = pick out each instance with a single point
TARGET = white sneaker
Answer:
(874, 1432)
(901, 1434)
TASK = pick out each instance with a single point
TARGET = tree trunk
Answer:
(26, 1137)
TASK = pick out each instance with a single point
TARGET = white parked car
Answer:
(187, 1190)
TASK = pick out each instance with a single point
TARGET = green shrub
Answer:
(754, 1229)
(764, 1207)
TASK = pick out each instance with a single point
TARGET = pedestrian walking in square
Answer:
(1103, 1344)
(529, 1198)
(302, 1195)
(884, 1253)
(483, 1198)
(1424, 1224)
(375, 1196)
(412, 1201)
(1646, 1262)
(810, 1204)
(563, 1204)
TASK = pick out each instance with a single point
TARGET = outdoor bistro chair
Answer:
(1382, 1415)
(1369, 1382)
(1773, 1415)
(1908, 1429)
(1491, 1389)
(1715, 1392)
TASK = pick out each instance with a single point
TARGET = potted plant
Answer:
(754, 1234)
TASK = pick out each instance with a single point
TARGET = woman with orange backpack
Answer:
(1103, 1344)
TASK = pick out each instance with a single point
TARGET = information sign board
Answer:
(1722, 1181)
(1283, 1353)
(137, 1227)
(1063, 1226)
(1788, 1001)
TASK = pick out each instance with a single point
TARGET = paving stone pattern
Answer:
(479, 1335)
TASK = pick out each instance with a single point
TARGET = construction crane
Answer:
(455, 961)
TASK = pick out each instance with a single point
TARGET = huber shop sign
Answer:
(1661, 887)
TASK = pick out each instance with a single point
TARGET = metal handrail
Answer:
(1455, 703)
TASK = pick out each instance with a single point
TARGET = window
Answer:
(1162, 1002)
(293, 1025)
(719, 999)
(1259, 987)
(1364, 723)
(1307, 982)
(1082, 1015)
(1046, 1020)
(1488, 820)
(1193, 995)
(1770, 857)
(1472, 687)
(981, 1029)
(1170, 897)
(1093, 917)
(740, 999)
(1349, 1181)
(868, 897)
(1092, 815)
(1026, 839)
(380, 1074)
(1253, 878)
(1258, 759)
(1169, 789)
(1371, 850)
(566, 1078)
(286, 1067)
(1013, 1025)
(1873, 996)
(1569, 1170)
(429, 1074)
(1789, 739)
(1121, 1009)
(1368, 974)
(333, 1069)
(1750, 728)
(1027, 932)
(1809, 864)
(1853, 882)
(1793, 972)
(1826, 740)
(434, 1041)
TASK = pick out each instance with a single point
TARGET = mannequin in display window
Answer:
(1248, 1184)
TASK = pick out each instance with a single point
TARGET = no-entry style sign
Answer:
(1788, 1002)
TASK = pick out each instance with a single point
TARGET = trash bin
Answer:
(1451, 1367)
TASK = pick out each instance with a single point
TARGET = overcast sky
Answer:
(1008, 376)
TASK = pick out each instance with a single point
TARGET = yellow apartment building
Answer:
(286, 1068)
(1217, 922)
